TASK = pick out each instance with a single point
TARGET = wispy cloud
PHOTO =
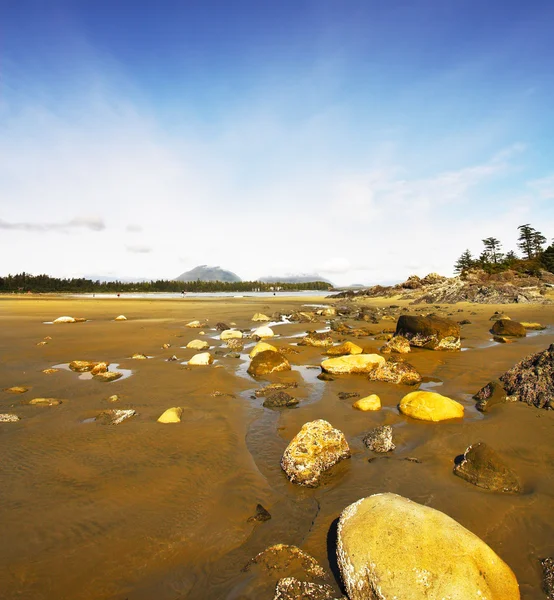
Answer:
(90, 223)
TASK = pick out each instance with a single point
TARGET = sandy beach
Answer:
(144, 510)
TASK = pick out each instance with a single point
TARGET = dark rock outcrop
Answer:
(429, 332)
(268, 362)
(489, 395)
(508, 327)
(280, 400)
(395, 371)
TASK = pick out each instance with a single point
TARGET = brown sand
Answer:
(144, 510)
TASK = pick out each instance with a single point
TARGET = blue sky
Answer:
(365, 140)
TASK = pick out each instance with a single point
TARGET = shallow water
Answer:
(143, 510)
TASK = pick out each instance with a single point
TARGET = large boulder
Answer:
(359, 363)
(263, 332)
(508, 327)
(395, 371)
(482, 467)
(429, 332)
(313, 450)
(230, 334)
(430, 406)
(390, 548)
(268, 362)
(261, 347)
(346, 348)
(198, 345)
(203, 359)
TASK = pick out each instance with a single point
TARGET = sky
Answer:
(363, 140)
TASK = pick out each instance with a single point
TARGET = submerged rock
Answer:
(171, 415)
(17, 389)
(268, 362)
(351, 364)
(429, 332)
(391, 548)
(314, 449)
(372, 402)
(430, 406)
(8, 418)
(380, 439)
(290, 588)
(482, 467)
(279, 400)
(275, 387)
(318, 340)
(504, 327)
(115, 416)
(261, 515)
(198, 345)
(395, 371)
(346, 348)
(45, 402)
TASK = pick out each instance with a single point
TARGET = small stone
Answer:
(489, 395)
(319, 340)
(260, 317)
(172, 358)
(195, 325)
(275, 387)
(108, 376)
(533, 326)
(17, 389)
(502, 340)
(64, 320)
(395, 371)
(221, 326)
(139, 356)
(342, 349)
(372, 402)
(198, 345)
(45, 402)
(166, 346)
(50, 371)
(325, 377)
(171, 415)
(99, 368)
(397, 344)
(42, 343)
(279, 400)
(121, 318)
(8, 418)
(482, 467)
(201, 360)
(115, 416)
(113, 398)
(268, 362)
(347, 395)
(260, 515)
(505, 327)
(351, 364)
(83, 366)
(380, 439)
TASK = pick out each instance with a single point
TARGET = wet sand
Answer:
(143, 510)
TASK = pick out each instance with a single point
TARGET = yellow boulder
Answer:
(346, 348)
(430, 406)
(261, 347)
(372, 402)
(171, 415)
(359, 363)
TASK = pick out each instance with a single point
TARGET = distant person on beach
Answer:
(183, 293)
(118, 294)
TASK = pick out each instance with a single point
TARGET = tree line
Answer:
(24, 282)
(531, 244)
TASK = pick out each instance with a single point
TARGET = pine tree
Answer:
(492, 250)
(538, 242)
(466, 261)
(530, 241)
(547, 258)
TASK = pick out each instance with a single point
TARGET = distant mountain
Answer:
(205, 273)
(300, 278)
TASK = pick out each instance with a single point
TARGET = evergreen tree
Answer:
(530, 241)
(547, 258)
(492, 250)
(538, 242)
(466, 261)
(510, 258)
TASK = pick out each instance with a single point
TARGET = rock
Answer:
(201, 360)
(325, 377)
(533, 326)
(489, 395)
(50, 371)
(380, 439)
(166, 346)
(108, 376)
(8, 418)
(430, 406)
(230, 334)
(532, 380)
(235, 344)
(113, 398)
(372, 402)
(41, 343)
(121, 318)
(319, 340)
(83, 366)
(261, 515)
(221, 326)
(172, 358)
(346, 348)
(139, 356)
(508, 327)
(198, 345)
(64, 320)
(398, 372)
(502, 340)
(195, 325)
(260, 317)
(280, 399)
(45, 402)
(268, 362)
(263, 332)
(464, 322)
(275, 387)
(115, 416)
(16, 389)
(389, 548)
(330, 311)
(548, 577)
(290, 588)
(429, 332)
(482, 467)
(261, 347)
(359, 363)
(347, 395)
(499, 315)
(101, 367)
(397, 344)
(171, 415)
(314, 449)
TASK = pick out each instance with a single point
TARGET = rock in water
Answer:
(346, 348)
(45, 402)
(359, 363)
(65, 320)
(171, 415)
(548, 577)
(489, 395)
(16, 389)
(8, 418)
(201, 360)
(380, 439)
(508, 327)
(395, 371)
(261, 347)
(115, 416)
(318, 340)
(282, 560)
(397, 344)
(280, 399)
(429, 332)
(267, 362)
(314, 449)
(390, 548)
(430, 406)
(121, 318)
(83, 366)
(482, 467)
(107, 376)
(372, 402)
(139, 356)
(198, 345)
(230, 334)
(101, 367)
(290, 588)
(260, 516)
